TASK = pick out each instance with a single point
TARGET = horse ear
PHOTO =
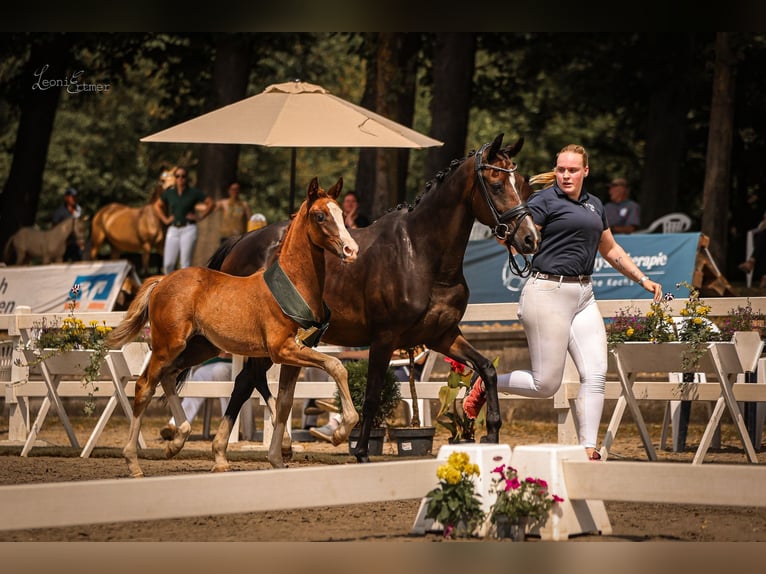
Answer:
(334, 191)
(313, 190)
(513, 150)
(495, 147)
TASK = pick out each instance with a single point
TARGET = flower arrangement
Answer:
(694, 326)
(696, 329)
(656, 326)
(741, 318)
(516, 499)
(53, 339)
(455, 503)
(450, 416)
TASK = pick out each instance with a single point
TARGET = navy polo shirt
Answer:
(571, 231)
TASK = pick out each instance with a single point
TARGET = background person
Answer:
(235, 212)
(557, 308)
(257, 220)
(622, 213)
(70, 208)
(176, 209)
(351, 216)
(757, 260)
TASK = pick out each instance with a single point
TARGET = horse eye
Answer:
(320, 217)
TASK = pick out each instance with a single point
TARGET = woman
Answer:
(235, 213)
(179, 203)
(557, 307)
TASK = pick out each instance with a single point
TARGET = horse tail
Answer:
(216, 259)
(136, 316)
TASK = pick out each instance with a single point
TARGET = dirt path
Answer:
(380, 522)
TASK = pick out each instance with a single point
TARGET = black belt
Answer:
(175, 224)
(562, 278)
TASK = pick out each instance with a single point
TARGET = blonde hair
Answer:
(549, 177)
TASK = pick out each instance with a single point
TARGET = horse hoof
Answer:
(221, 468)
(138, 474)
(337, 437)
(362, 458)
(491, 439)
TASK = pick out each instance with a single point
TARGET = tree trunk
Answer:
(218, 162)
(365, 169)
(21, 193)
(387, 94)
(715, 220)
(666, 127)
(453, 68)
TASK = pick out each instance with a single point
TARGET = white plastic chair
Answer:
(670, 223)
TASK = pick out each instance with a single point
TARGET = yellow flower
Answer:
(630, 331)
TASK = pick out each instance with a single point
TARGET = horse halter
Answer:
(515, 215)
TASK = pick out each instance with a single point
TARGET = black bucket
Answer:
(413, 441)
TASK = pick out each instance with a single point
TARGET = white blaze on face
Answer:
(350, 248)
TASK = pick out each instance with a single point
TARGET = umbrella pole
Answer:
(292, 182)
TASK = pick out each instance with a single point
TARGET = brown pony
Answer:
(49, 245)
(248, 316)
(128, 229)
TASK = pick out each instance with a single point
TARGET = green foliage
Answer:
(357, 385)
(455, 503)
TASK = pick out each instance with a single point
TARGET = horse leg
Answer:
(183, 427)
(462, 351)
(349, 417)
(288, 376)
(143, 395)
(379, 360)
(244, 383)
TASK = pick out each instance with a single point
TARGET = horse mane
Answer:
(440, 176)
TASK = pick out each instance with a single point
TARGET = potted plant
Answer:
(451, 415)
(414, 439)
(71, 348)
(455, 504)
(519, 504)
(390, 397)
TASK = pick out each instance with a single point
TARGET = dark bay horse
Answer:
(407, 287)
(249, 316)
(128, 230)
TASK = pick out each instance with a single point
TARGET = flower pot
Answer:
(375, 445)
(508, 528)
(413, 441)
(68, 363)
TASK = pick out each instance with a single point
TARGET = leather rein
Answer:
(514, 216)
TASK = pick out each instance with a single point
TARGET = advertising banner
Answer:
(45, 288)
(667, 258)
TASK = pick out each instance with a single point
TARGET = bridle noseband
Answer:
(514, 216)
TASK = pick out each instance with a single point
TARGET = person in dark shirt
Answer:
(176, 209)
(557, 307)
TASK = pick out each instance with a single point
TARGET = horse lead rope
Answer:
(515, 214)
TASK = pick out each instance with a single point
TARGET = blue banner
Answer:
(667, 258)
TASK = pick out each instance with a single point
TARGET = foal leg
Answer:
(143, 395)
(288, 376)
(183, 427)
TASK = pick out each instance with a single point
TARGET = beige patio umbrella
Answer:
(295, 114)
